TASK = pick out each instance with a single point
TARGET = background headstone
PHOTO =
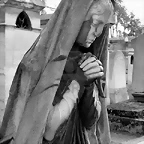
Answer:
(117, 73)
(138, 65)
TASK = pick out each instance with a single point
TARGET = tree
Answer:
(128, 21)
(120, 13)
(134, 26)
(122, 16)
(47, 7)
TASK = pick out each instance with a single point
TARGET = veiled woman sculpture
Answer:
(54, 97)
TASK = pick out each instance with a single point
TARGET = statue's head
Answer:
(97, 17)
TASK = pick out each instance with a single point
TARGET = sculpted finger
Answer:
(89, 60)
(99, 62)
(90, 65)
(93, 70)
(101, 68)
(95, 75)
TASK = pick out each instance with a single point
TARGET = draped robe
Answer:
(84, 114)
(38, 75)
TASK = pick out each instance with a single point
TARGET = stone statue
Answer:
(55, 96)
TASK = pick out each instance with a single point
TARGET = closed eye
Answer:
(94, 25)
(97, 23)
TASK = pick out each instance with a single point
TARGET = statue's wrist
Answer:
(89, 83)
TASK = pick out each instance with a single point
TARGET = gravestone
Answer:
(117, 73)
(138, 68)
(128, 116)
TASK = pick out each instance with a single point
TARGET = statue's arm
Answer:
(61, 111)
(89, 107)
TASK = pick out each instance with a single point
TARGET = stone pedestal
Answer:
(139, 97)
(127, 117)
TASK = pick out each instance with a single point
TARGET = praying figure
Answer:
(56, 96)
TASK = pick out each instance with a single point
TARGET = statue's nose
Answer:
(113, 19)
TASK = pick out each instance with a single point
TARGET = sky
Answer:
(135, 6)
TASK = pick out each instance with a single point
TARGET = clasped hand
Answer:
(92, 68)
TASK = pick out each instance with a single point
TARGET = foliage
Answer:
(134, 26)
(47, 7)
(128, 21)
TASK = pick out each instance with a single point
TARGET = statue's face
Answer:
(96, 18)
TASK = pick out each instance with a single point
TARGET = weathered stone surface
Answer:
(123, 124)
(139, 97)
(127, 116)
(118, 95)
(125, 138)
(130, 109)
(30, 4)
